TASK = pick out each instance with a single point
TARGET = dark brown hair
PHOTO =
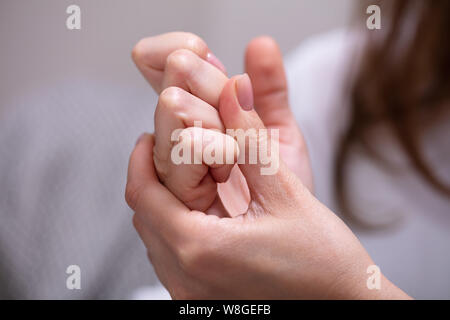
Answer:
(403, 84)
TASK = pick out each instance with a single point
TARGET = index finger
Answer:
(150, 54)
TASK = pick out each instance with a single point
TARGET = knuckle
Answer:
(138, 51)
(196, 44)
(201, 198)
(196, 256)
(189, 258)
(187, 261)
(181, 62)
(267, 68)
(132, 192)
(171, 98)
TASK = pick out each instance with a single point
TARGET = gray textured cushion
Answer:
(63, 161)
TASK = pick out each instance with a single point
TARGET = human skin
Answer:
(178, 60)
(286, 244)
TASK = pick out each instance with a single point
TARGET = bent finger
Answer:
(186, 70)
(150, 53)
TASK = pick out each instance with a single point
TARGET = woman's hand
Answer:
(175, 61)
(287, 245)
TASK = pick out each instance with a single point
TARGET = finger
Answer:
(150, 54)
(234, 193)
(145, 194)
(264, 65)
(186, 70)
(196, 150)
(195, 185)
(259, 159)
(140, 173)
(178, 109)
(160, 256)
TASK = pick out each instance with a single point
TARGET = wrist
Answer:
(358, 288)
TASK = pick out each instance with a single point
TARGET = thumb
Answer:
(264, 65)
(259, 160)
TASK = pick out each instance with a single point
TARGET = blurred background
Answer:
(38, 50)
(72, 104)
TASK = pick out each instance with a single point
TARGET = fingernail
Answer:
(244, 92)
(140, 138)
(211, 58)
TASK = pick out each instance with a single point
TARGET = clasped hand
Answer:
(224, 230)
